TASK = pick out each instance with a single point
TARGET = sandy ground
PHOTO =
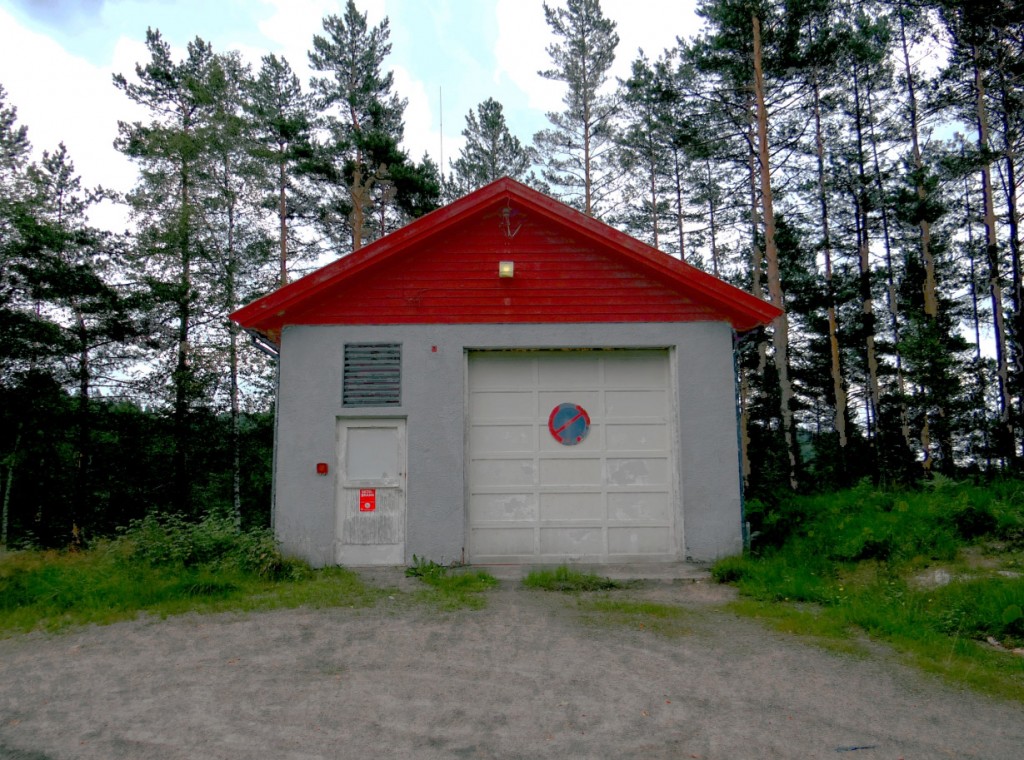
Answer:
(527, 677)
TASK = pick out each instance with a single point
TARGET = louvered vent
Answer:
(373, 374)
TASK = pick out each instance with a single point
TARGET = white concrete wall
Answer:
(433, 404)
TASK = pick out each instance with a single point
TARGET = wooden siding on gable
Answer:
(454, 280)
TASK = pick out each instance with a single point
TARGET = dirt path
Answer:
(528, 677)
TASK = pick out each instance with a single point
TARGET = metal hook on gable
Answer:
(506, 223)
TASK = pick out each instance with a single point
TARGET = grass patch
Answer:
(563, 578)
(663, 619)
(935, 573)
(451, 588)
(165, 567)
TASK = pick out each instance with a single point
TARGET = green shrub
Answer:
(730, 569)
(452, 588)
(563, 578)
(973, 521)
(979, 608)
(170, 540)
(856, 556)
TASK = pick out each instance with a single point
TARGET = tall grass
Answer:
(451, 588)
(163, 566)
(861, 559)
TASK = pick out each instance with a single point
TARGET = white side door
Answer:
(370, 492)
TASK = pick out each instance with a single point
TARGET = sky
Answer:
(57, 58)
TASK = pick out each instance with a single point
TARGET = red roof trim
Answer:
(744, 311)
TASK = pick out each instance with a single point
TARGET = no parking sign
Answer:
(569, 424)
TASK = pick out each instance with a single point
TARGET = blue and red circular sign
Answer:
(569, 424)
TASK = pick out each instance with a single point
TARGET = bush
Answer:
(160, 540)
(730, 569)
(973, 521)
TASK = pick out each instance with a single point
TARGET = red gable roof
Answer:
(443, 269)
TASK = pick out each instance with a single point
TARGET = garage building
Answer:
(506, 380)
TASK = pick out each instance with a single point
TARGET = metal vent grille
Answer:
(373, 374)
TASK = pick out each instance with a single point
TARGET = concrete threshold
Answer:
(686, 572)
(662, 571)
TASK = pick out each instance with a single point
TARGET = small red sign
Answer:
(367, 499)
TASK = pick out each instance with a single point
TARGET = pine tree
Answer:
(382, 187)
(166, 203)
(577, 152)
(281, 120)
(491, 151)
(645, 150)
(69, 280)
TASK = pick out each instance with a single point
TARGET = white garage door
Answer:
(544, 486)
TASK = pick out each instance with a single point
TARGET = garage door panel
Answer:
(638, 472)
(592, 444)
(575, 506)
(503, 542)
(643, 437)
(588, 399)
(570, 472)
(506, 507)
(502, 439)
(501, 405)
(638, 507)
(633, 404)
(638, 541)
(607, 496)
(499, 370)
(631, 369)
(503, 472)
(569, 370)
(572, 542)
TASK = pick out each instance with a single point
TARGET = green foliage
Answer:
(910, 567)
(563, 578)
(213, 541)
(165, 567)
(425, 568)
(452, 587)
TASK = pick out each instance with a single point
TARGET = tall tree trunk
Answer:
(838, 388)
(931, 301)
(780, 331)
(979, 366)
(587, 176)
(5, 513)
(680, 219)
(890, 282)
(654, 203)
(712, 224)
(1007, 444)
(84, 430)
(929, 286)
(1013, 231)
(182, 372)
(864, 249)
(231, 288)
(282, 211)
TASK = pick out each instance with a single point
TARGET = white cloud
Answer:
(64, 98)
(422, 133)
(521, 50)
(524, 36)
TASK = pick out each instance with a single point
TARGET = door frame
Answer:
(355, 554)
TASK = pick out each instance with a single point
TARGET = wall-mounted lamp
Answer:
(506, 268)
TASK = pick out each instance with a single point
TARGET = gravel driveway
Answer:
(530, 676)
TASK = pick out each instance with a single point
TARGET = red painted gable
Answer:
(443, 269)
